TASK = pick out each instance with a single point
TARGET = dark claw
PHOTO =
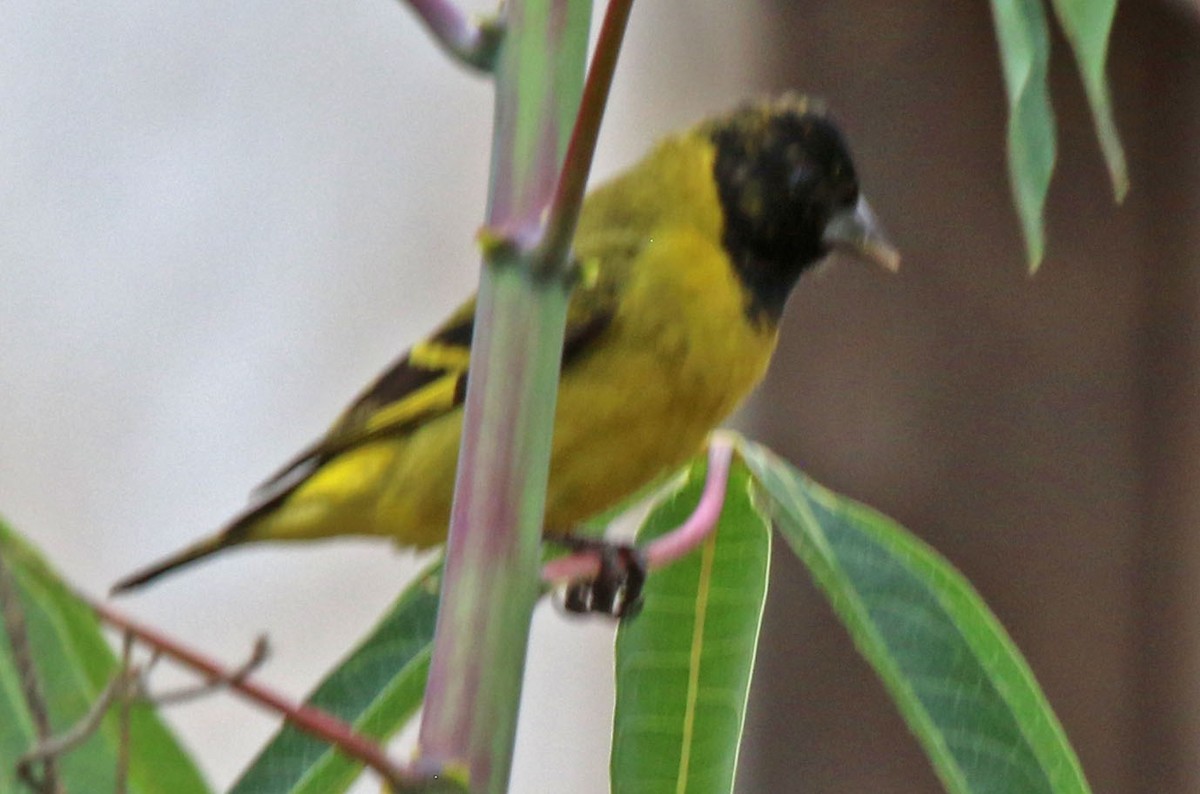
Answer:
(617, 589)
(578, 598)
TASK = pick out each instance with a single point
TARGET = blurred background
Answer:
(219, 220)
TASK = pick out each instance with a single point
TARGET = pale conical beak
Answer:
(856, 232)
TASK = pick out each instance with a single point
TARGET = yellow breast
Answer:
(678, 359)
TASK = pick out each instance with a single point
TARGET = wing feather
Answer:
(429, 381)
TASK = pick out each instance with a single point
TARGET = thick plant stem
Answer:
(491, 580)
(491, 573)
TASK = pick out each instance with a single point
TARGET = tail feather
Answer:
(187, 556)
(237, 531)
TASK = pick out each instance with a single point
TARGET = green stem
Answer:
(491, 574)
(491, 579)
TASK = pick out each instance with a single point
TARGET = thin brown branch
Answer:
(312, 721)
(472, 41)
(52, 747)
(122, 688)
(18, 639)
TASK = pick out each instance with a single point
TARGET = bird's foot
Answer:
(617, 589)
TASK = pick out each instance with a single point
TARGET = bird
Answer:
(687, 260)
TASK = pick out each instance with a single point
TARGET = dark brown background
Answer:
(1043, 433)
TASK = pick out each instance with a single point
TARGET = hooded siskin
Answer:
(689, 256)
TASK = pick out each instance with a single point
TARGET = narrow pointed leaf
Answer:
(74, 664)
(377, 689)
(1022, 31)
(1087, 24)
(683, 665)
(959, 681)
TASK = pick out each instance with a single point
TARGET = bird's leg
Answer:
(617, 589)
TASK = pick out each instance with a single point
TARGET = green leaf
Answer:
(683, 665)
(74, 664)
(1022, 31)
(1087, 24)
(376, 689)
(959, 681)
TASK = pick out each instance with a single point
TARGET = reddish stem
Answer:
(312, 721)
(577, 164)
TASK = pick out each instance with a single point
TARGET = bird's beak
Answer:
(855, 232)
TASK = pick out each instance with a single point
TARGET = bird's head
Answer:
(790, 195)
